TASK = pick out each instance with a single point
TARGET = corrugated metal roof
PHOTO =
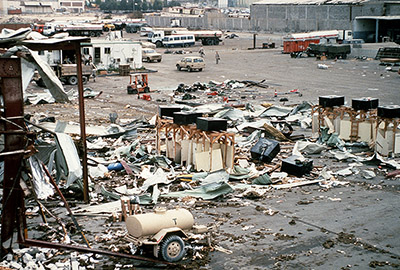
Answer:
(389, 18)
(308, 2)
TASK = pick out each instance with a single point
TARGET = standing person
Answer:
(217, 58)
(201, 52)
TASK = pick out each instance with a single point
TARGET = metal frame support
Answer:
(82, 123)
(13, 212)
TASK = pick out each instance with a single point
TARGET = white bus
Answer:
(178, 41)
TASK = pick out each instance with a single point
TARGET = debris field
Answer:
(277, 174)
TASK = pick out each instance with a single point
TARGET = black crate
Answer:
(331, 101)
(168, 111)
(265, 150)
(292, 165)
(211, 124)
(186, 118)
(389, 111)
(364, 104)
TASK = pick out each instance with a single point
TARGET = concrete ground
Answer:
(347, 227)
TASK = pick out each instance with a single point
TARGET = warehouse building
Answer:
(372, 21)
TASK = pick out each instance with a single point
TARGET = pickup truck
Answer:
(67, 74)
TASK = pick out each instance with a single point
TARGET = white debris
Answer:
(15, 265)
(27, 258)
(367, 174)
(322, 66)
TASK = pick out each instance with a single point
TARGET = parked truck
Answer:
(89, 30)
(207, 37)
(329, 50)
(299, 42)
(67, 73)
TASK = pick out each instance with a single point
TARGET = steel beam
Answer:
(13, 212)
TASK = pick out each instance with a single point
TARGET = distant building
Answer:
(36, 7)
(371, 20)
(73, 6)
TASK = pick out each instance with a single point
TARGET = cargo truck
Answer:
(67, 74)
(299, 42)
(88, 30)
(329, 50)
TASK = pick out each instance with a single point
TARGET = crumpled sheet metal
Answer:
(205, 192)
(277, 111)
(308, 148)
(159, 177)
(41, 182)
(46, 72)
(9, 35)
(68, 159)
(231, 114)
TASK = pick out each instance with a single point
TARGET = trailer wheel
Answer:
(85, 79)
(172, 249)
(73, 80)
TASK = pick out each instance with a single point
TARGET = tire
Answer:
(200, 69)
(210, 42)
(158, 44)
(146, 89)
(148, 60)
(186, 45)
(106, 29)
(216, 42)
(85, 79)
(73, 80)
(172, 249)
(189, 69)
(178, 67)
(159, 60)
(130, 90)
(92, 34)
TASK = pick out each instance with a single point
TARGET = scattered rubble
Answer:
(241, 154)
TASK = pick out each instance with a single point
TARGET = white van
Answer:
(178, 41)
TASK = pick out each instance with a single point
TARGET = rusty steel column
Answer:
(82, 123)
(13, 212)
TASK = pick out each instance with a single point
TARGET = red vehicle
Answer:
(38, 28)
(296, 43)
